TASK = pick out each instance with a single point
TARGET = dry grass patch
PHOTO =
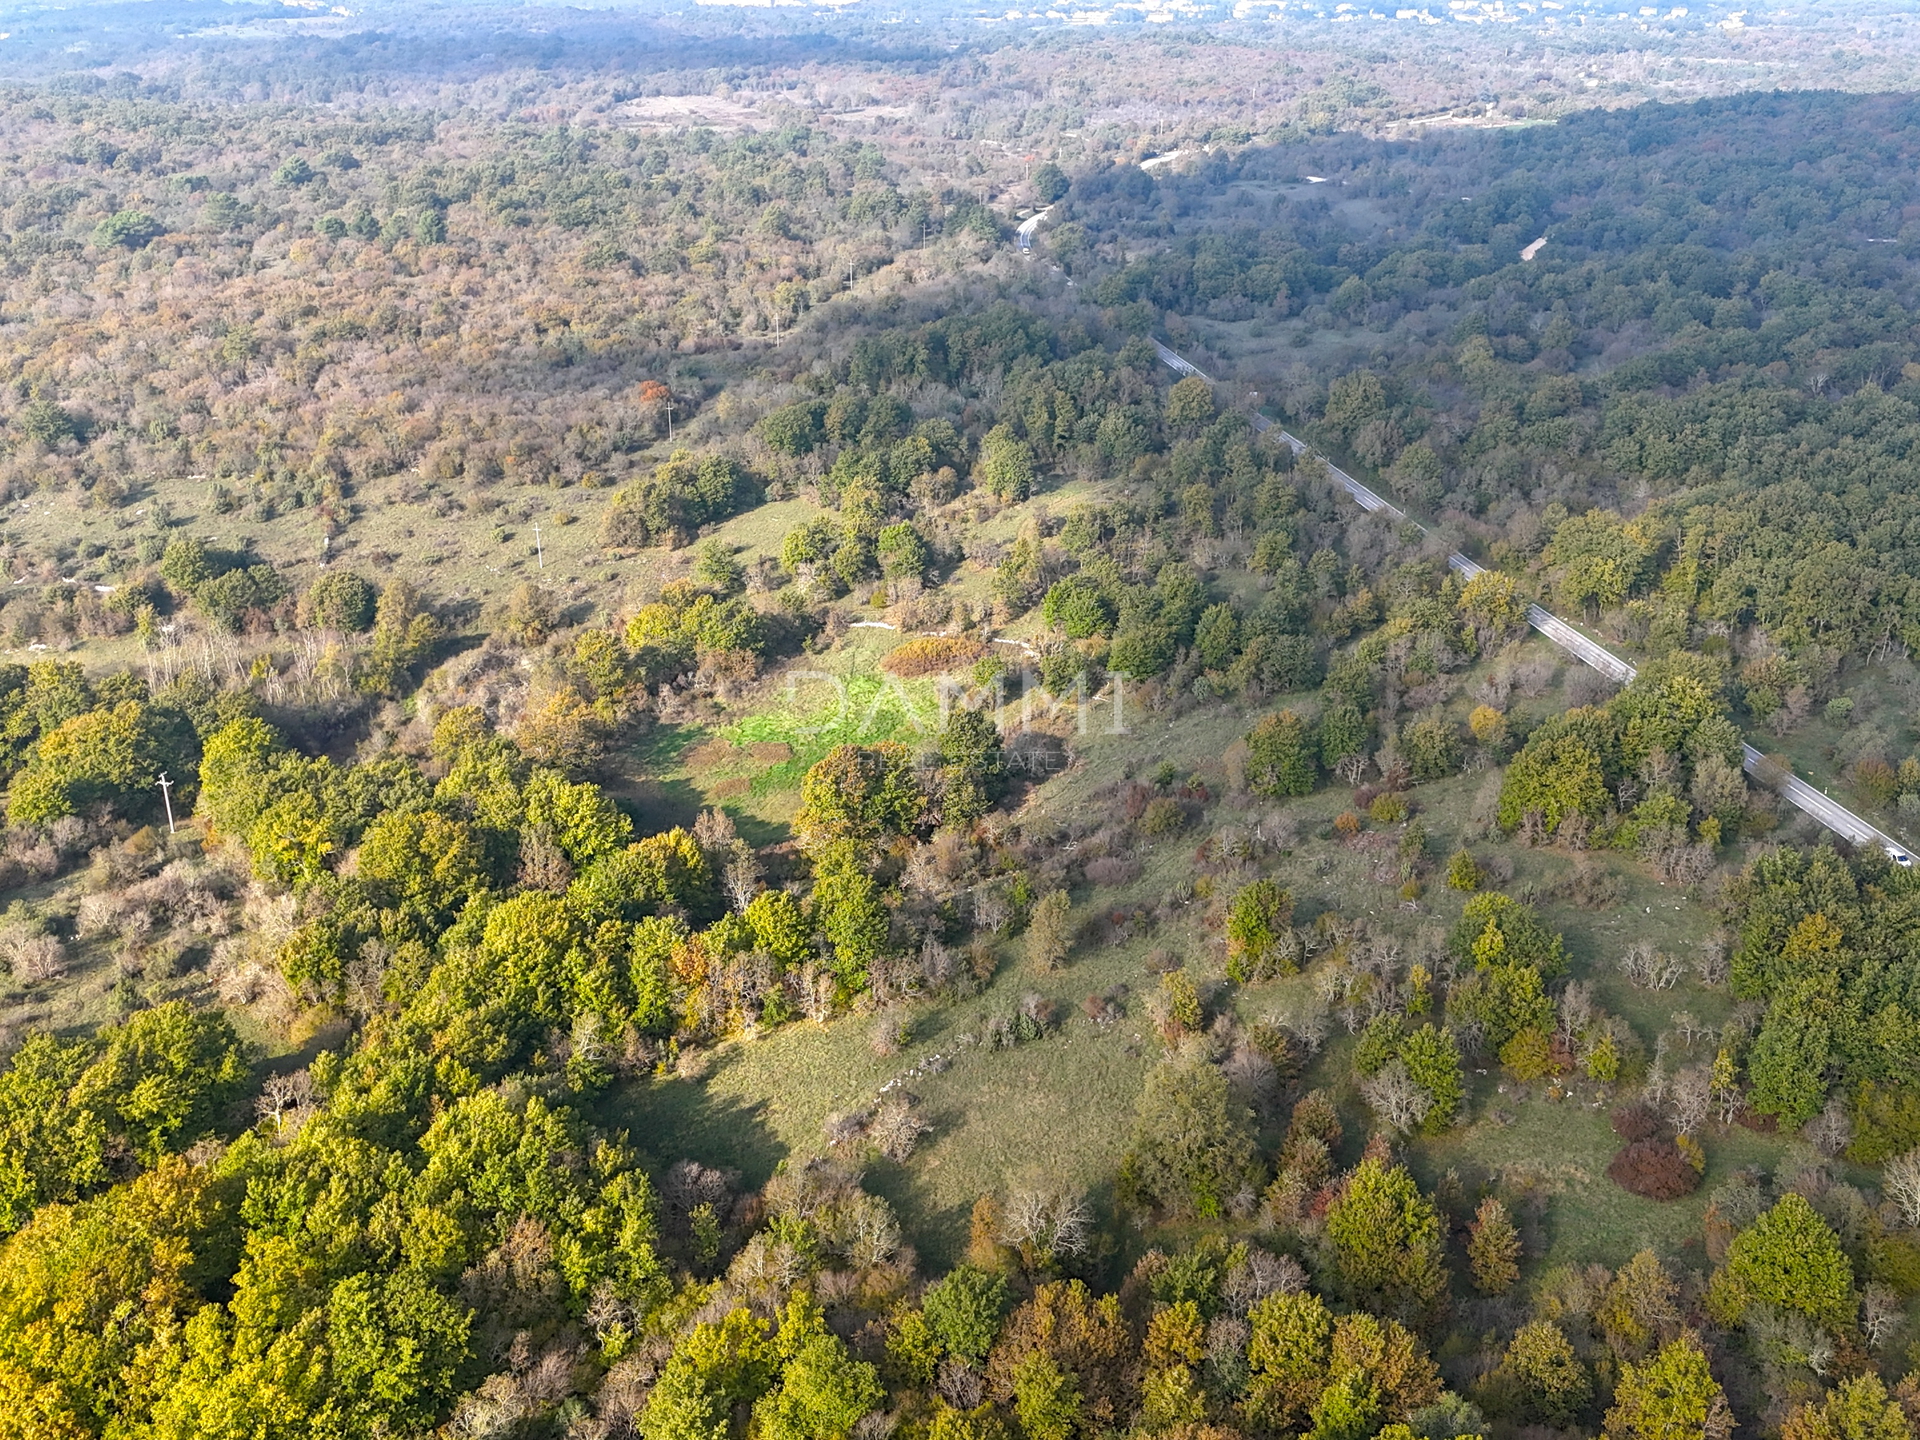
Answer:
(931, 655)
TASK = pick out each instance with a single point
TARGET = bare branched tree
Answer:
(285, 1098)
(1046, 1215)
(1657, 1078)
(1710, 962)
(1880, 1313)
(1901, 1182)
(1647, 968)
(896, 1127)
(1831, 1131)
(1398, 1102)
(1690, 1099)
(1576, 1008)
(742, 878)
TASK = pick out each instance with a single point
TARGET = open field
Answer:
(1065, 1101)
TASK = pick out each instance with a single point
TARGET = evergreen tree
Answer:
(1493, 1249)
(1281, 758)
(1791, 1259)
(1386, 1242)
(973, 764)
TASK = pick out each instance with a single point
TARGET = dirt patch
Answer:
(731, 789)
(712, 754)
(771, 752)
(677, 112)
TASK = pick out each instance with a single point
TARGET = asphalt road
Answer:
(1791, 788)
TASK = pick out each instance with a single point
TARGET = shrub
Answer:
(1488, 725)
(1528, 1055)
(1602, 1062)
(891, 1033)
(1654, 1169)
(1112, 870)
(1387, 809)
(1635, 1122)
(1163, 817)
(1463, 872)
(339, 600)
(1182, 999)
(896, 1128)
(1255, 919)
(1050, 930)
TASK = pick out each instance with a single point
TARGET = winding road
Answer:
(1797, 792)
(1027, 226)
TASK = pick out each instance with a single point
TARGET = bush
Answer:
(1256, 917)
(1163, 817)
(1282, 759)
(1193, 1151)
(1654, 1169)
(891, 1033)
(682, 494)
(1635, 1122)
(1050, 931)
(339, 600)
(1528, 1055)
(1387, 809)
(1463, 872)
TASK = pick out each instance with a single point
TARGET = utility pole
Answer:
(538, 549)
(166, 794)
(669, 419)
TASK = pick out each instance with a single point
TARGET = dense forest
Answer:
(1210, 974)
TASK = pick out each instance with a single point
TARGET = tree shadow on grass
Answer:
(938, 1233)
(673, 1119)
(658, 805)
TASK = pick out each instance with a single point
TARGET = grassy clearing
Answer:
(752, 765)
(1062, 1103)
(1558, 1151)
(1066, 1103)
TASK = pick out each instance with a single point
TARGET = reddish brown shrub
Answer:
(1654, 1169)
(1635, 1122)
(1112, 870)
